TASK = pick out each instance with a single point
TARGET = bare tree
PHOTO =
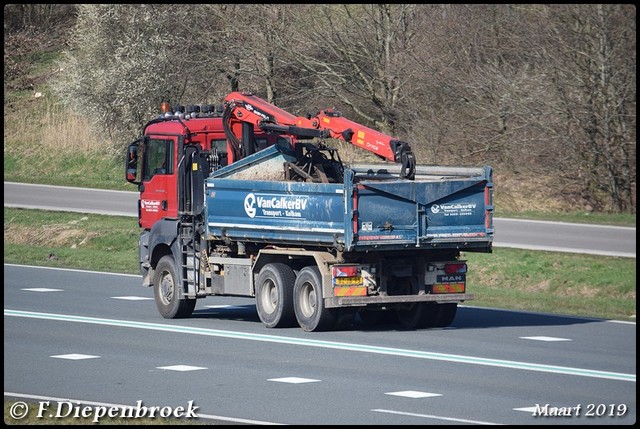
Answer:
(481, 86)
(250, 44)
(29, 30)
(359, 57)
(22, 16)
(125, 60)
(542, 90)
(592, 57)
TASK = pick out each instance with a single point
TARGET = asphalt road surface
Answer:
(85, 337)
(516, 233)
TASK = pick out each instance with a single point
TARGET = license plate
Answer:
(342, 281)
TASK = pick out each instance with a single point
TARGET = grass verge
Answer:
(71, 240)
(554, 282)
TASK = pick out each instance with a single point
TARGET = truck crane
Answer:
(246, 108)
(246, 200)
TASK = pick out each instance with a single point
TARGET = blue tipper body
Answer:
(442, 208)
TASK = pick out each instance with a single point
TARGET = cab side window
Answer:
(159, 158)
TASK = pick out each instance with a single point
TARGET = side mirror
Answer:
(131, 174)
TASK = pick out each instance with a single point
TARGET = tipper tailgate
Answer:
(442, 207)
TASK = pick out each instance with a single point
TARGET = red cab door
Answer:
(158, 198)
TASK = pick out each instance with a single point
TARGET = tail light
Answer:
(455, 268)
(345, 271)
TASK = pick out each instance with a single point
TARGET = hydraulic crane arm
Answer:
(242, 107)
(367, 138)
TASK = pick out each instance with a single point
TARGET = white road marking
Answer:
(132, 298)
(414, 394)
(181, 368)
(293, 380)
(218, 307)
(75, 356)
(542, 338)
(42, 289)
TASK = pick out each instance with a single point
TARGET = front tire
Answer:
(308, 302)
(166, 285)
(274, 295)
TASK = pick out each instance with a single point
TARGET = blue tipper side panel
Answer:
(356, 215)
(273, 211)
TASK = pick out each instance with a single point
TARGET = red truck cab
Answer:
(156, 159)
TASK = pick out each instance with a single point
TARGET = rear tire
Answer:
(417, 315)
(166, 285)
(308, 302)
(374, 317)
(445, 314)
(274, 295)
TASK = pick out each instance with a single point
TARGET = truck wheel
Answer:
(417, 315)
(167, 294)
(308, 303)
(445, 314)
(274, 295)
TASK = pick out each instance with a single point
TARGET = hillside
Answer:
(46, 142)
